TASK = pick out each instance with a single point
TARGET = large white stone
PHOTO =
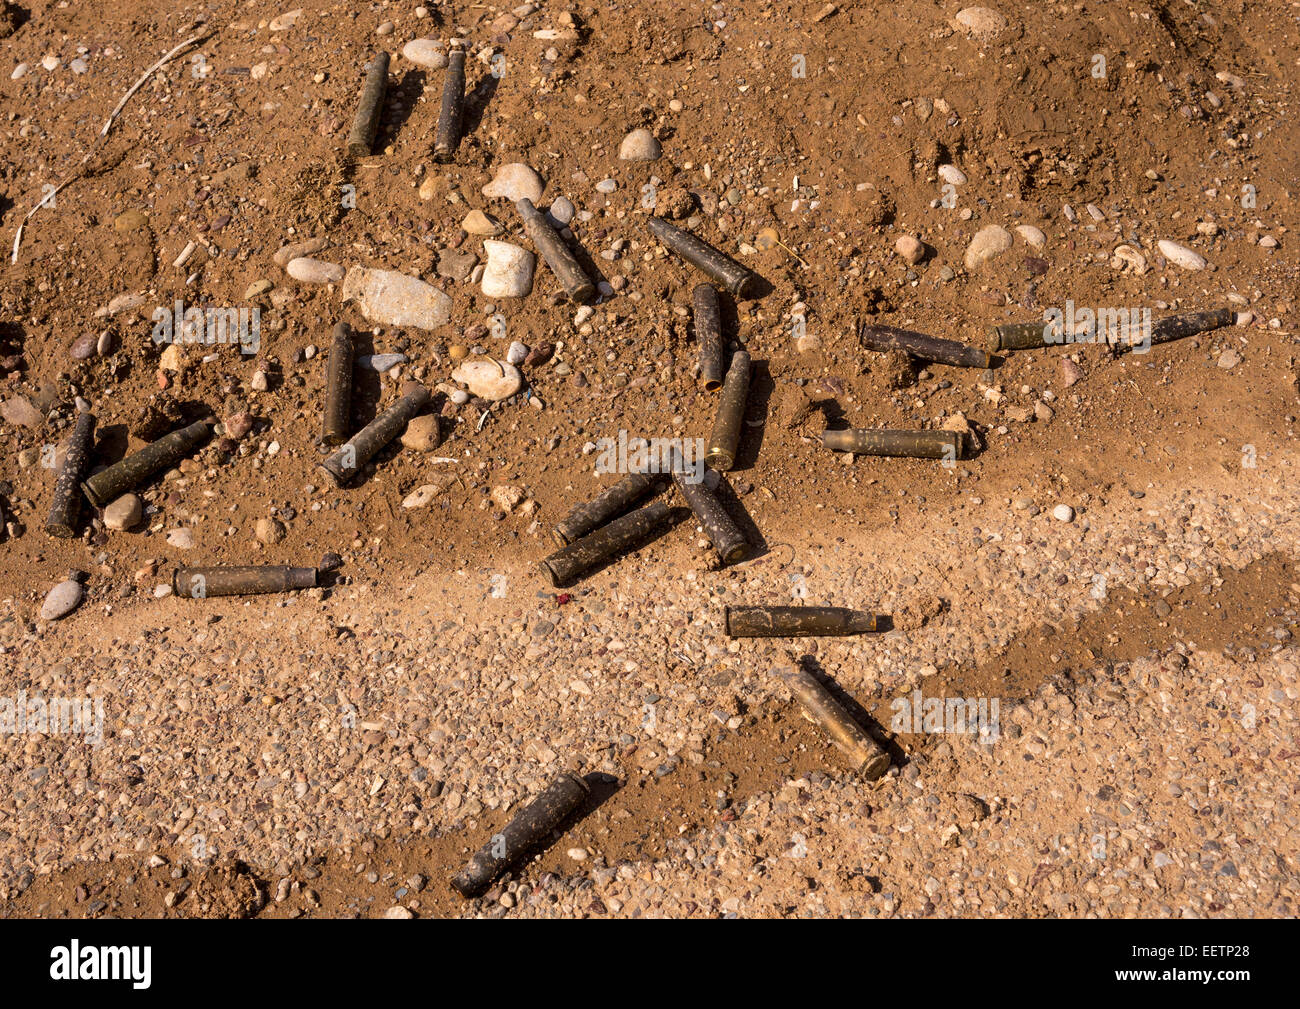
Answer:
(394, 299)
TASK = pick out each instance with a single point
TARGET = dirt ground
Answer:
(1115, 563)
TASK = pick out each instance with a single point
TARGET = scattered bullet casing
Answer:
(796, 621)
(580, 556)
(1175, 327)
(338, 387)
(1033, 335)
(721, 529)
(725, 439)
(67, 489)
(911, 444)
(928, 348)
(704, 257)
(366, 123)
(708, 331)
(199, 583)
(1020, 336)
(349, 457)
(167, 451)
(529, 828)
(559, 257)
(453, 108)
(607, 505)
(869, 760)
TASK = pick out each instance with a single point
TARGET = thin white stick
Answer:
(18, 236)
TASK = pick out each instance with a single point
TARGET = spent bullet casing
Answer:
(453, 108)
(556, 252)
(796, 621)
(607, 505)
(723, 533)
(167, 451)
(1034, 335)
(366, 122)
(928, 348)
(580, 556)
(199, 583)
(911, 444)
(708, 331)
(66, 506)
(337, 420)
(349, 457)
(711, 262)
(1175, 327)
(869, 759)
(528, 829)
(725, 438)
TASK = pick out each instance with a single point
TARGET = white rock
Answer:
(562, 211)
(980, 22)
(509, 271)
(394, 299)
(426, 53)
(1063, 513)
(606, 186)
(1032, 236)
(380, 362)
(515, 182)
(285, 21)
(1128, 260)
(20, 71)
(397, 911)
(516, 353)
(314, 271)
(124, 513)
(421, 496)
(491, 380)
(478, 223)
(988, 243)
(62, 600)
(1181, 255)
(910, 248)
(181, 539)
(953, 174)
(639, 145)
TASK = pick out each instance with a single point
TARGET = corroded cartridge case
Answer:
(366, 122)
(721, 529)
(708, 331)
(337, 419)
(580, 556)
(1024, 336)
(704, 257)
(349, 457)
(67, 489)
(559, 257)
(796, 621)
(529, 828)
(453, 107)
(135, 469)
(199, 583)
(1175, 327)
(928, 348)
(608, 504)
(912, 444)
(725, 438)
(869, 760)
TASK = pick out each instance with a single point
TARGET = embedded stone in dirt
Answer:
(639, 145)
(492, 380)
(394, 299)
(124, 513)
(426, 53)
(62, 600)
(1181, 255)
(515, 182)
(509, 272)
(314, 271)
(422, 434)
(987, 244)
(980, 22)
